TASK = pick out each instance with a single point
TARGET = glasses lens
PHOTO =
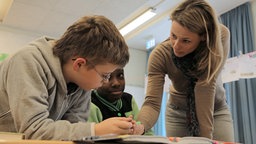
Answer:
(106, 77)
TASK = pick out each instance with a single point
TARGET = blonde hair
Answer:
(199, 17)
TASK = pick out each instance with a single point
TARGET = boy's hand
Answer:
(115, 125)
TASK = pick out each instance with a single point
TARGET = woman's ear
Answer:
(78, 62)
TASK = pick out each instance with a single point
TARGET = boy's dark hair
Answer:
(95, 38)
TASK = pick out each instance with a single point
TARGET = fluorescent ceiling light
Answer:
(137, 22)
(4, 8)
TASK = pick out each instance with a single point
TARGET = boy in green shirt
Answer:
(110, 100)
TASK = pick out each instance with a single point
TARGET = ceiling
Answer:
(52, 17)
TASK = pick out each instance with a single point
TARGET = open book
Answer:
(146, 139)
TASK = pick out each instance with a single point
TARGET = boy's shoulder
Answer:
(127, 95)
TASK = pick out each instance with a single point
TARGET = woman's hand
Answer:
(138, 129)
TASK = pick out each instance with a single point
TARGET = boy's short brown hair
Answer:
(95, 38)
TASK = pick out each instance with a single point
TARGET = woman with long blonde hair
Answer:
(192, 57)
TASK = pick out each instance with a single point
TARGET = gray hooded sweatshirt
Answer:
(34, 98)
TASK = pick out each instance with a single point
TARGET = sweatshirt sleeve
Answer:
(204, 99)
(155, 81)
(95, 114)
(135, 110)
(27, 82)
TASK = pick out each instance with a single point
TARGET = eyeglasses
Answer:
(105, 77)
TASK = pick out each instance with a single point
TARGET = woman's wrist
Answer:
(142, 128)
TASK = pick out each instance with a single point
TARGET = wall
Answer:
(135, 75)
(137, 92)
(136, 68)
(12, 40)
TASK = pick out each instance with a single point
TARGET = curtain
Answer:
(159, 128)
(242, 94)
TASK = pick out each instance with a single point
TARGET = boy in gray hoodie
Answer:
(45, 88)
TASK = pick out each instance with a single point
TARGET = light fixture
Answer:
(4, 8)
(137, 21)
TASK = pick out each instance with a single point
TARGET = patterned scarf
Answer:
(188, 65)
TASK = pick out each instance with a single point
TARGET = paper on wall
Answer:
(230, 70)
